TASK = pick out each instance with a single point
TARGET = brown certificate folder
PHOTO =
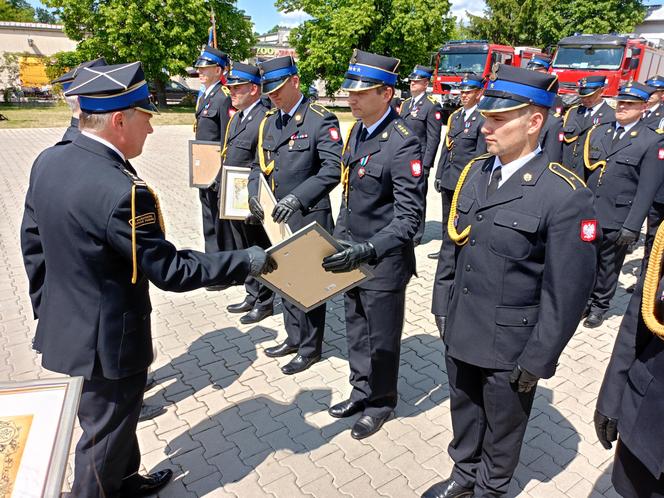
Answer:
(204, 162)
(300, 276)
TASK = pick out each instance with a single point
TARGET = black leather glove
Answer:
(348, 259)
(606, 429)
(440, 323)
(256, 211)
(524, 379)
(438, 185)
(260, 261)
(285, 208)
(626, 237)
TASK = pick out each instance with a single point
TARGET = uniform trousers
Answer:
(245, 236)
(444, 277)
(210, 208)
(108, 449)
(305, 330)
(655, 217)
(610, 259)
(489, 419)
(417, 238)
(374, 322)
(632, 479)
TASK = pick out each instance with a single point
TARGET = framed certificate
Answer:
(234, 194)
(204, 162)
(300, 276)
(36, 423)
(276, 232)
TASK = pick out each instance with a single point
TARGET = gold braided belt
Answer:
(345, 170)
(266, 167)
(460, 238)
(586, 156)
(650, 284)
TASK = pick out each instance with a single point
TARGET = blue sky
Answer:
(264, 14)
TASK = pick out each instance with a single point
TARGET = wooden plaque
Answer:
(276, 232)
(233, 193)
(204, 162)
(300, 276)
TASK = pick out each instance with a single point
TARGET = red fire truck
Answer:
(459, 57)
(619, 58)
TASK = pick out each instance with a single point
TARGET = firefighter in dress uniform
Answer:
(525, 231)
(382, 204)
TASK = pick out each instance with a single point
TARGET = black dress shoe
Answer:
(145, 485)
(447, 489)
(299, 364)
(433, 255)
(367, 425)
(217, 288)
(594, 320)
(345, 409)
(586, 312)
(256, 315)
(148, 412)
(242, 307)
(283, 349)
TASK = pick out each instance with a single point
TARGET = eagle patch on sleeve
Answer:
(416, 168)
(334, 134)
(438, 115)
(588, 230)
(660, 153)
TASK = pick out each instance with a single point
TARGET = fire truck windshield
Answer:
(462, 62)
(589, 57)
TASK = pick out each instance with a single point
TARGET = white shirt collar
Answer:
(507, 170)
(653, 108)
(627, 127)
(596, 107)
(104, 142)
(292, 111)
(468, 112)
(246, 112)
(418, 98)
(372, 128)
(209, 89)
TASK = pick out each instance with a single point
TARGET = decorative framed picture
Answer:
(300, 276)
(234, 193)
(36, 423)
(204, 162)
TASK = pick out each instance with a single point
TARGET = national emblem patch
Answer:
(334, 134)
(416, 168)
(588, 230)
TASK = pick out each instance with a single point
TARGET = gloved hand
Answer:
(606, 429)
(523, 378)
(348, 259)
(438, 185)
(626, 237)
(256, 210)
(440, 323)
(285, 208)
(260, 261)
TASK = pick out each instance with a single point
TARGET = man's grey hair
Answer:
(73, 104)
(99, 122)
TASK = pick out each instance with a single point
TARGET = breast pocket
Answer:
(626, 166)
(210, 112)
(371, 181)
(242, 144)
(513, 234)
(301, 144)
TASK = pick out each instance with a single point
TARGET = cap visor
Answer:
(490, 104)
(629, 98)
(415, 77)
(236, 82)
(271, 86)
(204, 63)
(357, 85)
(468, 88)
(587, 92)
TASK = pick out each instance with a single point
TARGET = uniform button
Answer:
(276, 169)
(467, 267)
(479, 217)
(465, 290)
(472, 242)
(351, 187)
(524, 320)
(350, 210)
(276, 185)
(514, 223)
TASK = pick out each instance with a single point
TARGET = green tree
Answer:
(407, 29)
(45, 15)
(165, 35)
(542, 22)
(16, 10)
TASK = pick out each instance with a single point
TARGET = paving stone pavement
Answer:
(236, 427)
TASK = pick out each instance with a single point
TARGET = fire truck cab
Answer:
(619, 58)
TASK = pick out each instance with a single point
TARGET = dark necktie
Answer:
(496, 176)
(241, 115)
(285, 118)
(619, 131)
(647, 114)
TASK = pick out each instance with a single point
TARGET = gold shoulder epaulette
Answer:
(225, 90)
(569, 176)
(134, 179)
(401, 128)
(272, 111)
(319, 109)
(432, 100)
(568, 112)
(660, 130)
(460, 238)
